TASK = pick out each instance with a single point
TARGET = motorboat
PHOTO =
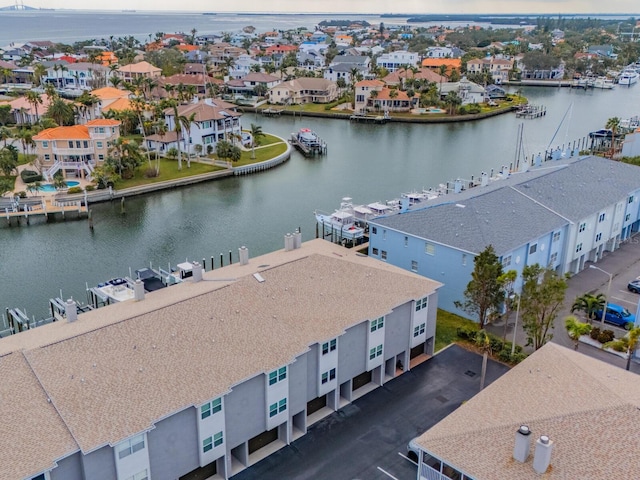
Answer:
(308, 137)
(628, 77)
(604, 83)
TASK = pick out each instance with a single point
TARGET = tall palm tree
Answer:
(161, 130)
(181, 122)
(139, 105)
(39, 71)
(34, 100)
(256, 134)
(612, 124)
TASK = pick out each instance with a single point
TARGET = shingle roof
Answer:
(119, 369)
(588, 408)
(140, 67)
(204, 111)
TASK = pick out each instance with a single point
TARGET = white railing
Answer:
(428, 473)
(73, 151)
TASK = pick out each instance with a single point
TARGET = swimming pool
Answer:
(48, 187)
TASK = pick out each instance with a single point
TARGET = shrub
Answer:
(466, 333)
(29, 176)
(595, 333)
(518, 357)
(150, 173)
(618, 347)
(90, 188)
(463, 110)
(473, 108)
(73, 190)
(22, 194)
(504, 355)
(606, 336)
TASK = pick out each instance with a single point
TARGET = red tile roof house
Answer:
(75, 150)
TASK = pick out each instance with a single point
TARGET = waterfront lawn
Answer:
(447, 325)
(262, 154)
(267, 139)
(168, 171)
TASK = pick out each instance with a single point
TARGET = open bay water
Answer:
(367, 162)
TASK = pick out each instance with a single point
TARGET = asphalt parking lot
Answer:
(367, 439)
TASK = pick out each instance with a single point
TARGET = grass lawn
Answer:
(24, 158)
(168, 171)
(268, 140)
(262, 154)
(446, 327)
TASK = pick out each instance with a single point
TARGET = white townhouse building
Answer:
(213, 120)
(205, 378)
(547, 215)
(242, 66)
(398, 59)
(78, 76)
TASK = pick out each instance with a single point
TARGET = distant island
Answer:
(343, 23)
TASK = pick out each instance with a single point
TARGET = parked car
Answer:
(634, 285)
(618, 316)
(413, 451)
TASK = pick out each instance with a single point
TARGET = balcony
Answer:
(73, 151)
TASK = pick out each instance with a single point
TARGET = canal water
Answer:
(366, 162)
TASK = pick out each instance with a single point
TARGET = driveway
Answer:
(624, 265)
(367, 439)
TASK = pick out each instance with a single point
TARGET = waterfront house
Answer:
(390, 100)
(565, 227)
(206, 378)
(213, 120)
(398, 59)
(77, 150)
(201, 81)
(363, 93)
(448, 64)
(77, 76)
(444, 52)
(26, 113)
(576, 409)
(498, 68)
(248, 83)
(304, 90)
(466, 90)
(400, 76)
(129, 73)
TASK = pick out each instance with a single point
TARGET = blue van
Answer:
(618, 316)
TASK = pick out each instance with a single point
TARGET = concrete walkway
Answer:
(623, 264)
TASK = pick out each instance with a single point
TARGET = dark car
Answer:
(634, 285)
(618, 316)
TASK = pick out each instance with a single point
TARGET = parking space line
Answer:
(387, 474)
(625, 300)
(407, 458)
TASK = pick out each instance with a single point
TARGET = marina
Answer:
(44, 207)
(531, 111)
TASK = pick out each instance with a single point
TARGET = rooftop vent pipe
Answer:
(243, 253)
(71, 310)
(138, 290)
(522, 444)
(542, 455)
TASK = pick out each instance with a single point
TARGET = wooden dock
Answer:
(531, 111)
(40, 207)
(381, 119)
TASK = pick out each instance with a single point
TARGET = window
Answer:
(85, 144)
(419, 330)
(277, 375)
(626, 218)
(377, 324)
(207, 444)
(429, 248)
(384, 234)
(383, 255)
(47, 157)
(332, 374)
(99, 144)
(375, 251)
(506, 261)
(70, 144)
(210, 408)
(130, 446)
(579, 248)
(464, 259)
(273, 410)
(630, 199)
(422, 303)
(601, 218)
(583, 227)
(217, 439)
(100, 157)
(533, 248)
(375, 352)
(45, 144)
(414, 266)
(598, 237)
(282, 405)
(556, 236)
(374, 230)
(329, 346)
(143, 475)
(406, 241)
(554, 258)
(325, 377)
(77, 143)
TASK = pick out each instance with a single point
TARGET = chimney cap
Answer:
(544, 439)
(524, 430)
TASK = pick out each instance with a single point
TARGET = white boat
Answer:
(113, 291)
(604, 83)
(308, 137)
(628, 77)
(341, 224)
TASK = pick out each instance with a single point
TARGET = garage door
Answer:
(259, 441)
(201, 473)
(361, 380)
(316, 404)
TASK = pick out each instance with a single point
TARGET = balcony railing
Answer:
(73, 151)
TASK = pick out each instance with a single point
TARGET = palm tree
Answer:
(589, 304)
(34, 100)
(612, 124)
(181, 122)
(256, 134)
(628, 344)
(61, 112)
(576, 329)
(138, 104)
(39, 71)
(115, 81)
(161, 131)
(452, 100)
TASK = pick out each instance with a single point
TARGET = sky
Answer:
(354, 6)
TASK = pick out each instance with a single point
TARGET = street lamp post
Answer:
(515, 329)
(606, 298)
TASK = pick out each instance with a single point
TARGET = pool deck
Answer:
(20, 186)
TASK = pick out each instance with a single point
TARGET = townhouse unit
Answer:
(209, 376)
(213, 120)
(398, 59)
(568, 416)
(75, 150)
(304, 90)
(548, 215)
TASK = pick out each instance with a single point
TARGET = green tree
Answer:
(542, 297)
(507, 281)
(61, 112)
(628, 344)
(452, 100)
(125, 156)
(589, 304)
(576, 329)
(484, 292)
(612, 124)
(34, 100)
(5, 114)
(256, 135)
(58, 181)
(104, 175)
(8, 161)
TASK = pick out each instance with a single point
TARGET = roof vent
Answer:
(542, 455)
(243, 253)
(522, 444)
